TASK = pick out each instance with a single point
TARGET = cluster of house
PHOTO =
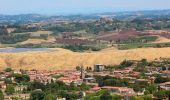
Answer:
(124, 91)
(42, 76)
(82, 76)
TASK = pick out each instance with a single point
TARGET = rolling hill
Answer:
(65, 59)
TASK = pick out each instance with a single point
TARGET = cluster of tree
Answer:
(160, 79)
(22, 28)
(102, 95)
(142, 39)
(1, 95)
(111, 81)
(81, 47)
(93, 27)
(21, 78)
(10, 89)
(144, 97)
(55, 89)
(8, 69)
(162, 94)
(141, 65)
(100, 26)
(40, 95)
(124, 64)
(12, 39)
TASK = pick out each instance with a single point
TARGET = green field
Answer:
(142, 45)
(141, 39)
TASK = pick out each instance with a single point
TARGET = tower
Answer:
(82, 76)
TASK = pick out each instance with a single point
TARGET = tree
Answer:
(106, 96)
(8, 69)
(8, 81)
(21, 78)
(1, 95)
(168, 93)
(163, 68)
(146, 92)
(71, 96)
(145, 97)
(88, 69)
(37, 95)
(15, 98)
(160, 94)
(10, 89)
(78, 68)
(50, 97)
(83, 86)
(36, 85)
(125, 63)
(73, 86)
(144, 61)
(151, 89)
(160, 79)
(116, 97)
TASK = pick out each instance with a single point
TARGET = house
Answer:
(89, 80)
(116, 90)
(17, 72)
(166, 73)
(135, 74)
(71, 76)
(20, 88)
(2, 85)
(96, 88)
(99, 67)
(41, 76)
(119, 90)
(165, 86)
(142, 81)
(20, 96)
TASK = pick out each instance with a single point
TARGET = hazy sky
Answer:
(57, 7)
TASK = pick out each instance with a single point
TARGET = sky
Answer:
(62, 7)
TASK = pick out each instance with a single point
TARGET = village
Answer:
(131, 79)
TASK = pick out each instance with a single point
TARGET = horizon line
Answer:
(100, 12)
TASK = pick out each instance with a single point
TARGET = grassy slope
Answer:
(65, 59)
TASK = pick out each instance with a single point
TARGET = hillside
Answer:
(63, 59)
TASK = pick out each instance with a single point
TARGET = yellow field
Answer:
(65, 59)
(38, 41)
(162, 40)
